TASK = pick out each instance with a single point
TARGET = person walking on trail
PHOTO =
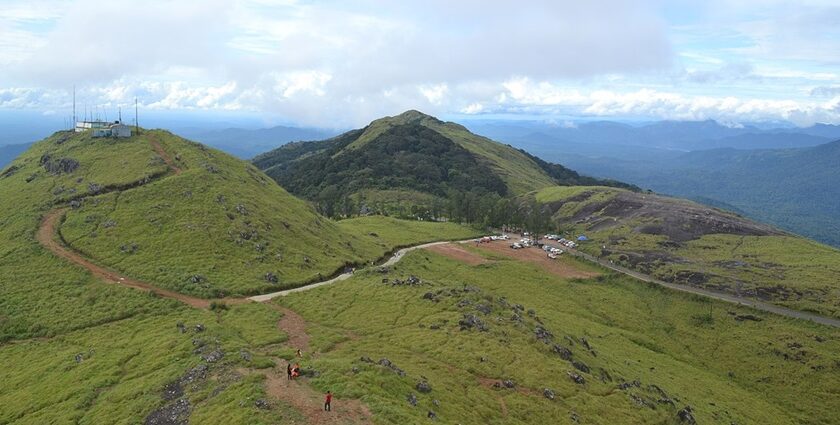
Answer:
(299, 354)
(289, 371)
(327, 402)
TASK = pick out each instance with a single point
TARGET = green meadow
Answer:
(680, 349)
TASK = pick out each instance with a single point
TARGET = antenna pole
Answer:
(119, 109)
(74, 106)
(136, 124)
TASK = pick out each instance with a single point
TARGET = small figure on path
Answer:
(289, 371)
(296, 371)
(299, 354)
(327, 402)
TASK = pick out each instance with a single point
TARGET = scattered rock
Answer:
(129, 248)
(576, 377)
(94, 188)
(581, 366)
(109, 223)
(686, 416)
(270, 277)
(176, 413)
(412, 399)
(483, 359)
(387, 363)
(436, 402)
(79, 357)
(181, 327)
(508, 383)
(562, 351)
(432, 415)
(483, 308)
(241, 209)
(366, 359)
(262, 404)
(245, 355)
(574, 417)
(213, 356)
(471, 321)
(548, 393)
(197, 373)
(543, 335)
(172, 390)
(585, 343)
(413, 280)
(199, 327)
(429, 296)
(59, 166)
(423, 387)
(197, 278)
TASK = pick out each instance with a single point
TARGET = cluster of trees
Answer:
(449, 181)
(481, 209)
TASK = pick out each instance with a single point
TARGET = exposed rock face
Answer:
(423, 387)
(471, 321)
(686, 416)
(59, 166)
(176, 413)
(562, 351)
(548, 393)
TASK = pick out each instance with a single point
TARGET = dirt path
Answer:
(165, 156)
(45, 237)
(298, 393)
(458, 253)
(295, 326)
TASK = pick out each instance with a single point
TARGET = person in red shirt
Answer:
(328, 401)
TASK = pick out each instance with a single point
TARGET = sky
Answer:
(339, 64)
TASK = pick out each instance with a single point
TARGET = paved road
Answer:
(758, 305)
(391, 261)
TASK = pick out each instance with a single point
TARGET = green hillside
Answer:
(430, 162)
(600, 349)
(640, 353)
(684, 242)
(82, 350)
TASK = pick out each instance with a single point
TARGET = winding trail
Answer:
(394, 259)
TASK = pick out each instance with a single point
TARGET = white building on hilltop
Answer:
(104, 128)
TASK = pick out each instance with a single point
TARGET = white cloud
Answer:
(345, 63)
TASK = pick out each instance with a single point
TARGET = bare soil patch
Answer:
(458, 253)
(558, 267)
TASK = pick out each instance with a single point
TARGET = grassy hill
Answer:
(608, 349)
(681, 241)
(430, 162)
(81, 350)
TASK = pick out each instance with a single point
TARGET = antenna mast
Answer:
(136, 125)
(74, 106)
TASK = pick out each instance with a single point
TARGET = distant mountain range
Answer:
(248, 143)
(9, 152)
